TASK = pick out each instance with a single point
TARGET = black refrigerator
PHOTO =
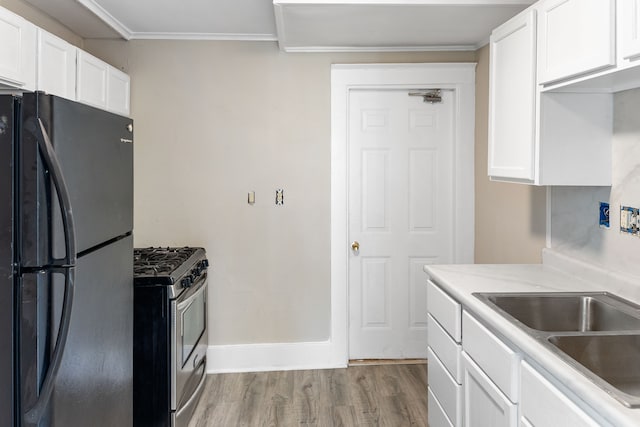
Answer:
(66, 264)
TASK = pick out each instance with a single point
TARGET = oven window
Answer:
(193, 324)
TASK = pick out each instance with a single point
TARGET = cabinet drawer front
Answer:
(542, 404)
(494, 357)
(435, 413)
(485, 404)
(444, 387)
(447, 350)
(445, 310)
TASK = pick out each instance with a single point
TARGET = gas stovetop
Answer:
(168, 266)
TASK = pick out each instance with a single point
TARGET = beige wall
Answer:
(42, 20)
(215, 120)
(510, 218)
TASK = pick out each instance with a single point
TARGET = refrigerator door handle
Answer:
(51, 160)
(35, 413)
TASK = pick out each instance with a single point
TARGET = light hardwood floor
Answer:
(381, 395)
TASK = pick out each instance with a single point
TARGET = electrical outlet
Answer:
(604, 215)
(629, 220)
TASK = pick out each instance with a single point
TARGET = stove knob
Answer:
(204, 263)
(187, 282)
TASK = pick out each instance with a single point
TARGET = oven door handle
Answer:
(199, 288)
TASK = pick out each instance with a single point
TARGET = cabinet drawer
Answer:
(542, 404)
(435, 413)
(485, 404)
(445, 310)
(494, 357)
(445, 389)
(447, 350)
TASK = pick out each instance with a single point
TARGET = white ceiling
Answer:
(298, 25)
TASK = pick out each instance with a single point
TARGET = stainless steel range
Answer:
(170, 334)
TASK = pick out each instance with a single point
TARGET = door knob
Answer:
(355, 246)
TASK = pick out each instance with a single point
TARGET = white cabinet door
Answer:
(92, 80)
(575, 37)
(118, 89)
(512, 98)
(484, 403)
(629, 33)
(17, 51)
(56, 66)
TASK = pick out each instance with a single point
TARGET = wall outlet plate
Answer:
(279, 197)
(604, 215)
(629, 220)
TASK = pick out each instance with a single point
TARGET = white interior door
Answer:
(401, 214)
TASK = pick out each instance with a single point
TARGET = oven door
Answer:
(189, 345)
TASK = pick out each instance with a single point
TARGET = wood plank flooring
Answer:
(379, 395)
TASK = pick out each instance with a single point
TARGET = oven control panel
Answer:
(198, 269)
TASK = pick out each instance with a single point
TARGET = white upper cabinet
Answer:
(101, 85)
(629, 31)
(575, 37)
(537, 137)
(17, 51)
(118, 89)
(92, 80)
(512, 98)
(56, 66)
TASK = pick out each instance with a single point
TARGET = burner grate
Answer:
(159, 261)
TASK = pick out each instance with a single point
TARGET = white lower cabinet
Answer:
(484, 403)
(543, 405)
(481, 380)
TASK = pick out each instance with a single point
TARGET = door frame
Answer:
(347, 77)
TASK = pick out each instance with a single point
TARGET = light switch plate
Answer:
(279, 197)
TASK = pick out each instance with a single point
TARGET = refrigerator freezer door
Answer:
(95, 152)
(7, 130)
(94, 386)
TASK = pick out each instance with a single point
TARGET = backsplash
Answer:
(574, 210)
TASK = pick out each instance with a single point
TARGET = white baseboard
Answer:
(272, 357)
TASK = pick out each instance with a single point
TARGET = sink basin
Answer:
(567, 312)
(597, 333)
(614, 359)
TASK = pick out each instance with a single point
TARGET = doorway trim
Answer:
(347, 77)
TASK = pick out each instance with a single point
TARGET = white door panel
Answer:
(400, 212)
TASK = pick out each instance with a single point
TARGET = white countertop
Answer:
(461, 281)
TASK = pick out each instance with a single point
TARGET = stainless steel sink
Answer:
(596, 333)
(614, 359)
(567, 311)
